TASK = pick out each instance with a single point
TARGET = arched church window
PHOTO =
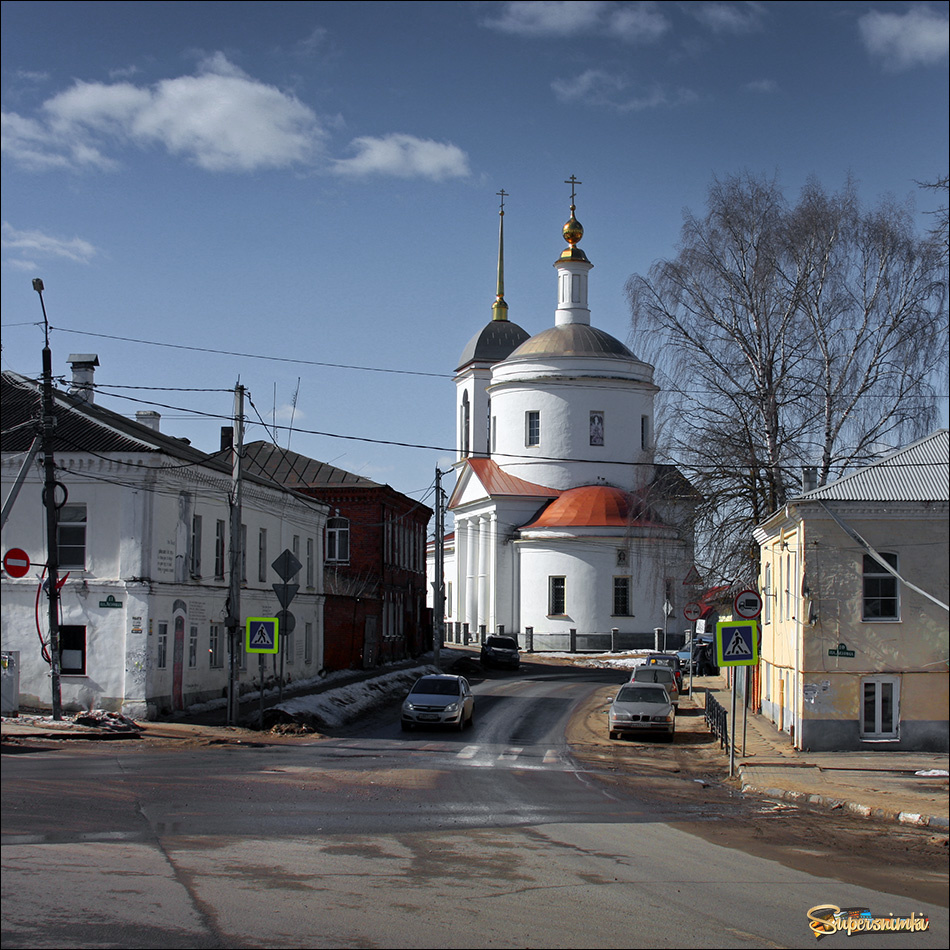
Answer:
(466, 412)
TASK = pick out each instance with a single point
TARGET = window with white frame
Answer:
(215, 647)
(308, 642)
(71, 537)
(195, 566)
(338, 539)
(220, 547)
(532, 427)
(880, 707)
(309, 566)
(621, 597)
(881, 599)
(262, 555)
(161, 651)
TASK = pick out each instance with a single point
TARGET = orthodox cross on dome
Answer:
(573, 231)
(499, 309)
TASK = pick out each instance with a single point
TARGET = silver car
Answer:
(642, 708)
(662, 675)
(439, 700)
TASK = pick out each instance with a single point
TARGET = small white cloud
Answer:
(404, 156)
(920, 37)
(599, 88)
(44, 245)
(631, 22)
(729, 17)
(764, 86)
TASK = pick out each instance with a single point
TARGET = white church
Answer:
(566, 531)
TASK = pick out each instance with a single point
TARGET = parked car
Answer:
(439, 700)
(671, 660)
(498, 650)
(699, 654)
(642, 708)
(662, 675)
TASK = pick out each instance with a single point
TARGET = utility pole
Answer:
(438, 584)
(52, 515)
(237, 555)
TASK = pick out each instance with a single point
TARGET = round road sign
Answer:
(748, 604)
(16, 562)
(692, 612)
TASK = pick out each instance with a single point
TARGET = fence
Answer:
(717, 719)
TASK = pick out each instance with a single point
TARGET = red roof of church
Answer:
(591, 506)
(498, 482)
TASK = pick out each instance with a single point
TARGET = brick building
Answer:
(374, 568)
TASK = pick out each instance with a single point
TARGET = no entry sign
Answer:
(16, 562)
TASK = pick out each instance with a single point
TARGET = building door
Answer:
(880, 707)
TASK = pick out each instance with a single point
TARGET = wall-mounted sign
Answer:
(110, 601)
(841, 650)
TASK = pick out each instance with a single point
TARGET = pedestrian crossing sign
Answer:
(261, 635)
(737, 643)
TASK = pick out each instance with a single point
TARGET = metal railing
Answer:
(717, 719)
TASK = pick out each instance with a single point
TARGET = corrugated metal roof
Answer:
(918, 472)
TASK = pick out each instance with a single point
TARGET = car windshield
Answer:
(502, 643)
(653, 674)
(436, 687)
(642, 694)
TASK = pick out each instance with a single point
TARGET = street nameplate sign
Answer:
(737, 643)
(262, 634)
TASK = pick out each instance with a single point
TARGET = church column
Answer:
(484, 550)
(471, 571)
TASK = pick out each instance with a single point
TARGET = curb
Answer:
(936, 822)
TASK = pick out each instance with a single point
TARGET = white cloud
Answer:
(220, 119)
(728, 17)
(631, 22)
(596, 87)
(919, 37)
(761, 85)
(404, 156)
(45, 245)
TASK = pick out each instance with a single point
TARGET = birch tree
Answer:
(789, 336)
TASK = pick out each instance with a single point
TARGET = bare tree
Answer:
(795, 335)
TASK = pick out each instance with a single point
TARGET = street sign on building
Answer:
(737, 643)
(262, 634)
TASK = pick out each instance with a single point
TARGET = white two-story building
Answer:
(144, 551)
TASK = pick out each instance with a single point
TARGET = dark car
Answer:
(501, 651)
(700, 655)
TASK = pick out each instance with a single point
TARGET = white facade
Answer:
(557, 524)
(144, 547)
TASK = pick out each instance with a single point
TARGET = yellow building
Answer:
(855, 618)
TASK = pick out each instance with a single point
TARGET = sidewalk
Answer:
(880, 784)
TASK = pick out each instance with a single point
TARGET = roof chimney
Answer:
(84, 366)
(150, 418)
(809, 478)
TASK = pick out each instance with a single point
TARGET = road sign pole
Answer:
(732, 730)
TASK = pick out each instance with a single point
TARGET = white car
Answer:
(439, 700)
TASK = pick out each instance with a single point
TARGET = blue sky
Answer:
(315, 183)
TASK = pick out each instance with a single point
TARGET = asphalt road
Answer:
(494, 837)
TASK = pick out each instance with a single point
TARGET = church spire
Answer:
(573, 267)
(499, 309)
